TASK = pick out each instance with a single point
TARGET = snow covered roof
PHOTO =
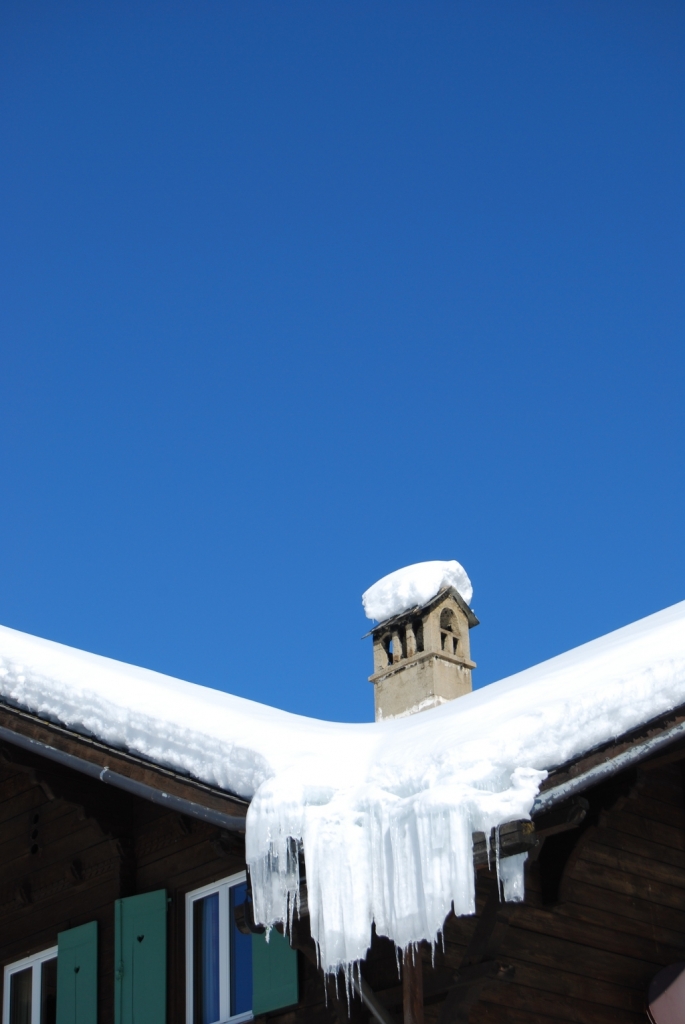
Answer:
(384, 811)
(414, 586)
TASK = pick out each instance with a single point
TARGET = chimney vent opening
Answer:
(447, 620)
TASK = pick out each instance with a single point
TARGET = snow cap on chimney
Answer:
(414, 585)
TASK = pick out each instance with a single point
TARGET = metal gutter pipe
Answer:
(599, 772)
(173, 803)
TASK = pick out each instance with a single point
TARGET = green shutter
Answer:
(140, 959)
(77, 975)
(274, 973)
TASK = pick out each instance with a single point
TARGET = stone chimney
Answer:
(421, 658)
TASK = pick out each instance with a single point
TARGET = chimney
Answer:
(421, 656)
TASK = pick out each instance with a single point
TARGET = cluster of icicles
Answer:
(376, 858)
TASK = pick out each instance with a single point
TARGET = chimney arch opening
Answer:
(449, 640)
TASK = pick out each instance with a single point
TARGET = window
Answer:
(218, 956)
(30, 990)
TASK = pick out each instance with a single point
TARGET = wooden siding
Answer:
(619, 918)
(618, 915)
(94, 844)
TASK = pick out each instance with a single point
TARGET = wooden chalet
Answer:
(123, 898)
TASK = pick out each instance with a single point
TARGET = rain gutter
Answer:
(604, 770)
(234, 823)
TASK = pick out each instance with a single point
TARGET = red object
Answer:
(666, 996)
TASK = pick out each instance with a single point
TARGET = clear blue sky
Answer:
(294, 294)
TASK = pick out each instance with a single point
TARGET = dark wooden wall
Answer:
(70, 846)
(58, 870)
(604, 911)
(619, 914)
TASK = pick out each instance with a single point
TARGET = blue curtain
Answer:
(206, 960)
(241, 957)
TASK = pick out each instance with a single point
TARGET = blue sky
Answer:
(295, 293)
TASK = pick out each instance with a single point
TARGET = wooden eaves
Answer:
(559, 804)
(662, 739)
(128, 772)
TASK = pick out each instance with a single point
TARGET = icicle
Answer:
(374, 860)
(499, 888)
(513, 877)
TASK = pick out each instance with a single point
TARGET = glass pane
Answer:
(241, 957)
(48, 991)
(20, 996)
(206, 960)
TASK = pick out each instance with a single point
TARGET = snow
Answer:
(384, 811)
(414, 585)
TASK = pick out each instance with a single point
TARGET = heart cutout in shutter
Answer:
(76, 970)
(140, 938)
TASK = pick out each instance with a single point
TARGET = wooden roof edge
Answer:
(642, 745)
(417, 609)
(139, 776)
(647, 744)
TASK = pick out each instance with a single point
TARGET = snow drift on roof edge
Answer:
(384, 811)
(389, 841)
(414, 585)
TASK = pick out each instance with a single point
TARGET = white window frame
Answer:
(20, 965)
(222, 888)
